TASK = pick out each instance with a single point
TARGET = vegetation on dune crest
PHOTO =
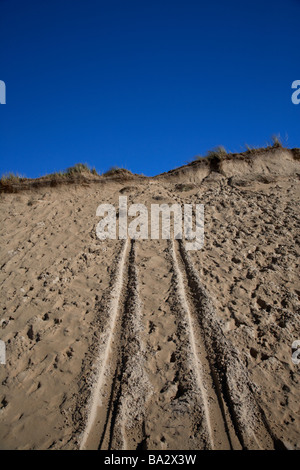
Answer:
(11, 178)
(112, 170)
(78, 173)
(215, 156)
(11, 182)
(218, 153)
(79, 168)
(116, 170)
(276, 143)
(81, 172)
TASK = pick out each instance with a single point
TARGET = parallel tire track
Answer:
(116, 409)
(97, 398)
(232, 385)
(218, 434)
(131, 387)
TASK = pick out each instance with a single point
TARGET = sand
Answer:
(124, 344)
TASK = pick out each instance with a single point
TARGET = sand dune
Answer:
(124, 344)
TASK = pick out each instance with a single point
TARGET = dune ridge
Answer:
(138, 344)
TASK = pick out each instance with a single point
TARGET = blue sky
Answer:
(143, 84)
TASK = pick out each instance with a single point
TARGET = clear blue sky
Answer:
(144, 84)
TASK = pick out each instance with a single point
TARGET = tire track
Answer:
(131, 388)
(218, 433)
(97, 398)
(116, 409)
(233, 387)
(140, 399)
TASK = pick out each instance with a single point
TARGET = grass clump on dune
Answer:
(75, 174)
(112, 171)
(73, 171)
(217, 152)
(80, 168)
(118, 172)
(276, 143)
(11, 178)
(215, 157)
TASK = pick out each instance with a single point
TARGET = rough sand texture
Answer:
(139, 344)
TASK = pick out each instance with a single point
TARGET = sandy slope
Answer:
(137, 344)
